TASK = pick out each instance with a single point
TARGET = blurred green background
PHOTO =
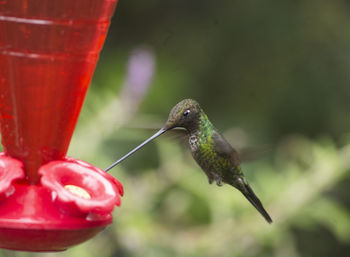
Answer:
(271, 75)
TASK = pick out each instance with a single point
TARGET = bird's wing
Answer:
(178, 134)
(249, 154)
(224, 149)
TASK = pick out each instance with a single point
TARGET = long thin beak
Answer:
(161, 131)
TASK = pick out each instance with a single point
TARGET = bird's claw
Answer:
(218, 180)
(219, 183)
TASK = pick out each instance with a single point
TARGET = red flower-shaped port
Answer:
(79, 188)
(10, 170)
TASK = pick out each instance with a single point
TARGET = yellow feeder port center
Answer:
(78, 191)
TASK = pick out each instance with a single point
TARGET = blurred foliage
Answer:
(266, 72)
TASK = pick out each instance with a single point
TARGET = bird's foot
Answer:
(218, 180)
(210, 179)
(219, 183)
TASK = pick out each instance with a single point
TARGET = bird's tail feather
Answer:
(254, 200)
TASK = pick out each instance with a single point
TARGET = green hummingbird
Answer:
(218, 159)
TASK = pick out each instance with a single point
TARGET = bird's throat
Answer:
(200, 131)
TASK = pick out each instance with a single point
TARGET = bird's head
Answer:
(185, 114)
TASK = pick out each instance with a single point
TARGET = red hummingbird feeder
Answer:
(48, 53)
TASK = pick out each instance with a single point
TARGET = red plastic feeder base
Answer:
(52, 216)
(30, 221)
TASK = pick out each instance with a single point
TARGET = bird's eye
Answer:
(185, 113)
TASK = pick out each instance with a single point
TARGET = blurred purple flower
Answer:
(140, 70)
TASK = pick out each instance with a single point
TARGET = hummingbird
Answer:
(216, 157)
